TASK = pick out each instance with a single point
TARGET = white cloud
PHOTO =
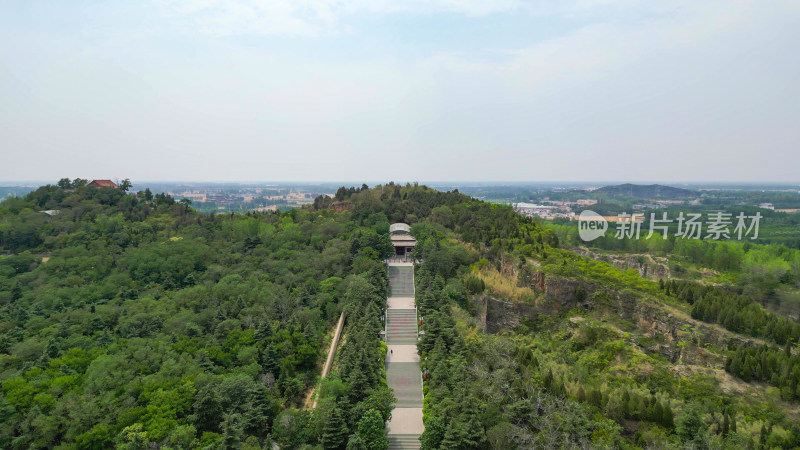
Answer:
(601, 47)
(253, 17)
(305, 18)
(624, 83)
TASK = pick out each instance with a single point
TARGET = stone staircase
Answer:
(401, 281)
(404, 378)
(402, 327)
(403, 441)
(402, 363)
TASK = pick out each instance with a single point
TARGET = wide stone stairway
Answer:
(402, 363)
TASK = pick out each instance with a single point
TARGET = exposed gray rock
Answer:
(675, 337)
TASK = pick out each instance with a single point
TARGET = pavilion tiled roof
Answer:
(103, 183)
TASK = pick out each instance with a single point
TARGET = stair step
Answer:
(403, 377)
(404, 441)
(404, 437)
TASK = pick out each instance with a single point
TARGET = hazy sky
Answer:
(498, 90)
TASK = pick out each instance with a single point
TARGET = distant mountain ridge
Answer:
(647, 191)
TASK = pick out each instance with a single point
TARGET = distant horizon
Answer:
(20, 183)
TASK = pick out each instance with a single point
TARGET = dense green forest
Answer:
(767, 273)
(738, 313)
(581, 378)
(130, 320)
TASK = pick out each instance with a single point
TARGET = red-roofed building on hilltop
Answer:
(103, 183)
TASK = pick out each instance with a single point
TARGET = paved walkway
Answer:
(401, 280)
(402, 363)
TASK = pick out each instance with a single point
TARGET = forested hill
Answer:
(648, 191)
(131, 320)
(582, 355)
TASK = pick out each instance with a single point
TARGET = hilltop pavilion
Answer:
(402, 240)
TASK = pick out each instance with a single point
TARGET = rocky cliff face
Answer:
(554, 294)
(669, 333)
(646, 265)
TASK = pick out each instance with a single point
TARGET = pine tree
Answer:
(372, 431)
(627, 405)
(548, 380)
(16, 292)
(581, 395)
(435, 430)
(264, 331)
(596, 398)
(725, 424)
(335, 433)
(232, 430)
(562, 388)
(656, 412)
(52, 349)
(271, 364)
(747, 370)
(207, 408)
(690, 424)
(667, 417)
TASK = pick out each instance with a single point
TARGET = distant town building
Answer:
(103, 183)
(556, 210)
(769, 206)
(586, 202)
(220, 199)
(532, 209)
(640, 206)
(669, 202)
(193, 196)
